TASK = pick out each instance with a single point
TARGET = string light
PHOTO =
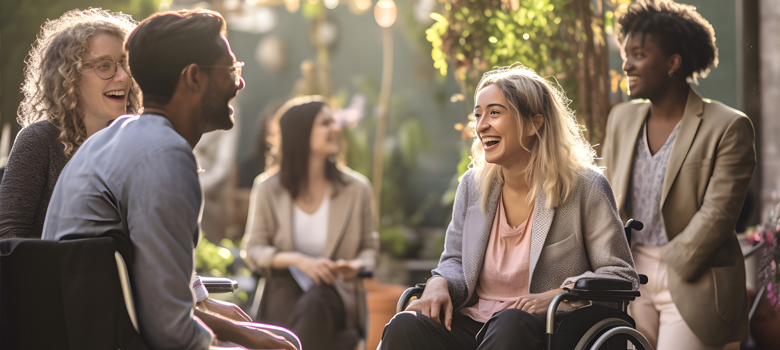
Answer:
(385, 13)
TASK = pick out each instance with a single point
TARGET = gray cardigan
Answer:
(582, 237)
(33, 168)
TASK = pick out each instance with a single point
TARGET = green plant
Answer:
(211, 259)
(406, 139)
(560, 39)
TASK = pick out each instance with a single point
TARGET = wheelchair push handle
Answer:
(632, 224)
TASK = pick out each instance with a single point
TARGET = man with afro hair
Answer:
(681, 164)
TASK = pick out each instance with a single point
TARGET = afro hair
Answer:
(678, 29)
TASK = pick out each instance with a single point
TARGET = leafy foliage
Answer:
(560, 39)
(475, 36)
(406, 139)
(211, 259)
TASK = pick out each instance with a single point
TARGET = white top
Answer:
(311, 230)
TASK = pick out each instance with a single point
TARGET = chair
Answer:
(73, 294)
(592, 327)
(344, 339)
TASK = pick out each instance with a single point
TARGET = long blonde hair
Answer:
(54, 67)
(560, 150)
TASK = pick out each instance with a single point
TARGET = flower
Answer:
(769, 271)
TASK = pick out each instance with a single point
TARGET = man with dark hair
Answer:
(139, 176)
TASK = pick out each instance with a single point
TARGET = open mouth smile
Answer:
(116, 95)
(490, 142)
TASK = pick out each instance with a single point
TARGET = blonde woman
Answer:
(531, 216)
(76, 83)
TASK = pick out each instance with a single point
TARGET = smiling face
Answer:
(220, 91)
(646, 66)
(103, 100)
(325, 133)
(498, 130)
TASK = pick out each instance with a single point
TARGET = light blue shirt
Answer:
(140, 177)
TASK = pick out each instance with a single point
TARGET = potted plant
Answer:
(765, 317)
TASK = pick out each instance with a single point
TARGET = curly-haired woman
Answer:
(76, 83)
(682, 165)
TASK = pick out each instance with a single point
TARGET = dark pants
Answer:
(317, 318)
(509, 329)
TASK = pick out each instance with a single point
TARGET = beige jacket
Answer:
(706, 181)
(351, 234)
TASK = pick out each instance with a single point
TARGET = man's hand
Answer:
(348, 269)
(319, 269)
(246, 336)
(223, 308)
(258, 338)
(536, 303)
(435, 302)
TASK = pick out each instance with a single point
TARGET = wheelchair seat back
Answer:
(64, 295)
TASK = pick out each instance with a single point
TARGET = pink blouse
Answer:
(504, 276)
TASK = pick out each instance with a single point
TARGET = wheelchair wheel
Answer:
(613, 333)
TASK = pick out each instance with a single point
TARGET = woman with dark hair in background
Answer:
(311, 228)
(76, 83)
(681, 164)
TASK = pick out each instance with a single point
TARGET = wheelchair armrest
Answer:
(408, 296)
(603, 289)
(219, 284)
(363, 273)
(598, 284)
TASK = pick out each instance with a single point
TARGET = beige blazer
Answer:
(582, 237)
(351, 234)
(706, 181)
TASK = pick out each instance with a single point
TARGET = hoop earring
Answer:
(670, 73)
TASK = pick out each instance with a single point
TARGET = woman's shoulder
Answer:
(266, 180)
(589, 176)
(628, 110)
(40, 131)
(720, 112)
(354, 178)
(39, 137)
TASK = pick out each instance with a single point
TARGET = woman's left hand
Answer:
(536, 303)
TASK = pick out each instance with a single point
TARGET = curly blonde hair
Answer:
(560, 150)
(54, 66)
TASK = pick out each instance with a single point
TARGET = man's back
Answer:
(139, 176)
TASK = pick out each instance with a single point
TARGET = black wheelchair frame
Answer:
(591, 327)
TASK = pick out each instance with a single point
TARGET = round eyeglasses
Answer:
(106, 68)
(235, 70)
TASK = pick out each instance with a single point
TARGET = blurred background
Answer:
(404, 72)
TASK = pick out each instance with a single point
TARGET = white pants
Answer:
(656, 316)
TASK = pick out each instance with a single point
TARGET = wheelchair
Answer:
(75, 294)
(602, 324)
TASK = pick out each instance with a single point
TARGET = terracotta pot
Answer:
(381, 299)
(765, 326)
